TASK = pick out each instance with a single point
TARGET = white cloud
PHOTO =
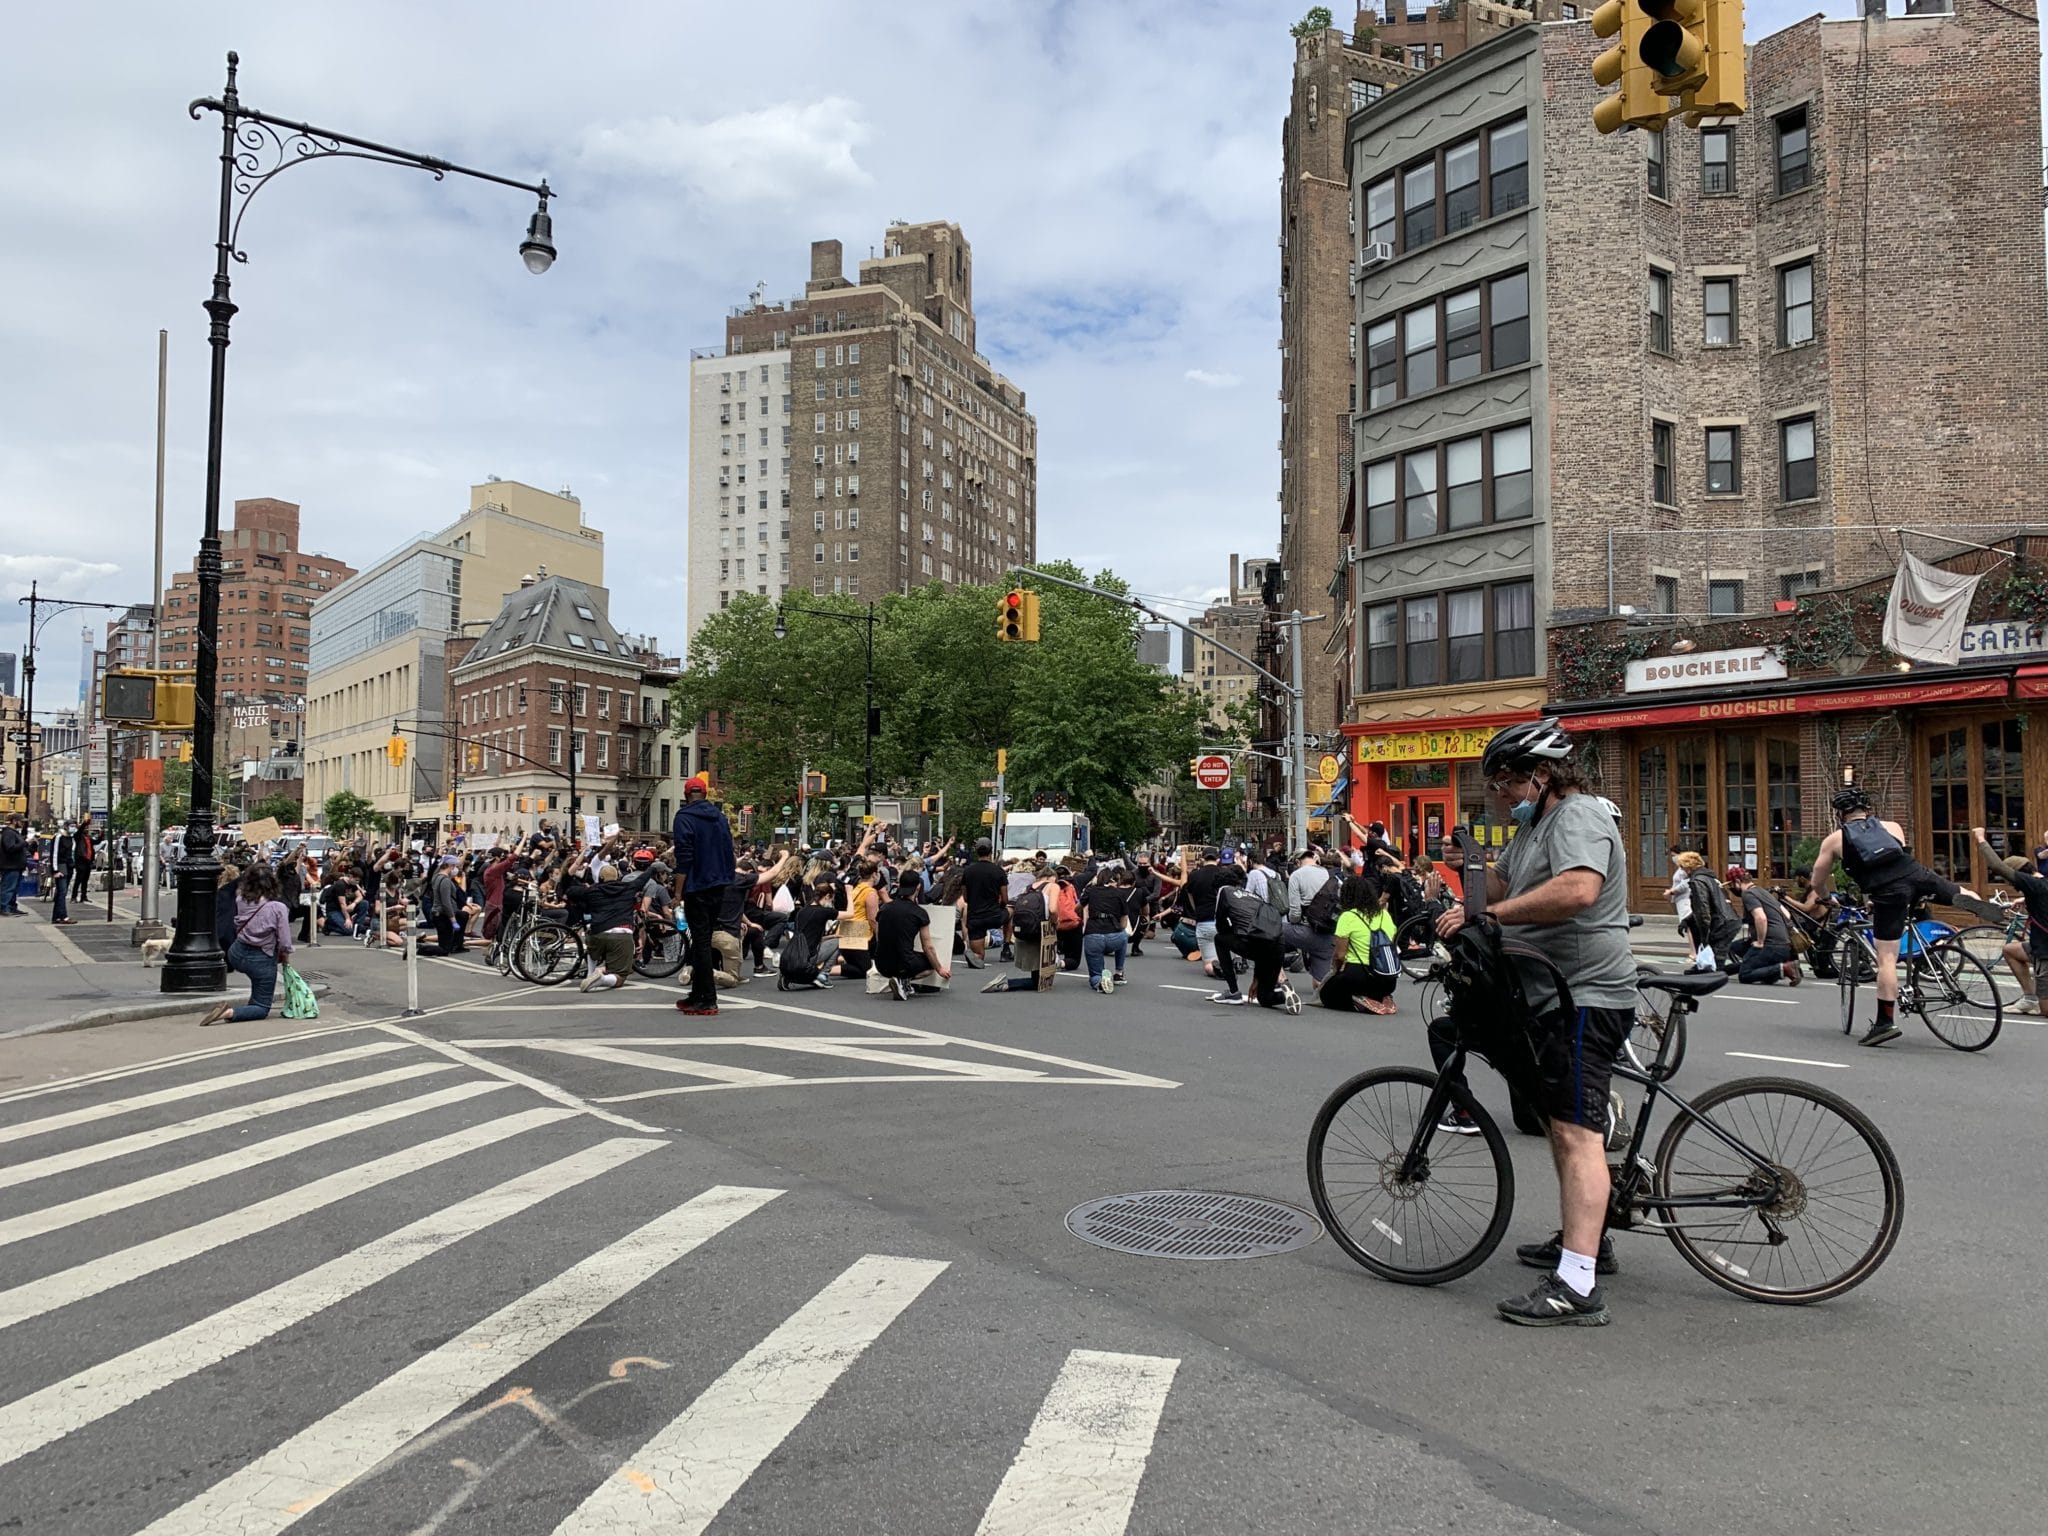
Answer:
(776, 154)
(1208, 380)
(53, 575)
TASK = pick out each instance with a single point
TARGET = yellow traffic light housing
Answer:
(1674, 46)
(1030, 615)
(1724, 90)
(184, 751)
(394, 751)
(929, 805)
(1010, 616)
(161, 699)
(1639, 103)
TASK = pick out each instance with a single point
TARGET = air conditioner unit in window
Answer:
(1378, 254)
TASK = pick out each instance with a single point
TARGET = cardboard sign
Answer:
(260, 831)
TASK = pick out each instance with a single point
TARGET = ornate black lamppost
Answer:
(254, 147)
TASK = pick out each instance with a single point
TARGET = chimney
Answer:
(525, 581)
(828, 261)
(1232, 597)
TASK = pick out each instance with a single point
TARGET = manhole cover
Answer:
(1193, 1224)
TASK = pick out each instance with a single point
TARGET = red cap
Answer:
(1736, 872)
(696, 781)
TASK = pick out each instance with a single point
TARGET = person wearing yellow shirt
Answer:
(1353, 985)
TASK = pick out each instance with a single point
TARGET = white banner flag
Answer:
(1925, 618)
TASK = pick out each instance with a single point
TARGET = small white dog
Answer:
(153, 952)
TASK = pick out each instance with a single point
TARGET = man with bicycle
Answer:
(1562, 885)
(1874, 853)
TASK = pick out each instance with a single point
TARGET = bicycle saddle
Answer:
(1688, 985)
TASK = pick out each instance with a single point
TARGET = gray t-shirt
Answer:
(1590, 948)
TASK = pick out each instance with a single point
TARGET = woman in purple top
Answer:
(262, 942)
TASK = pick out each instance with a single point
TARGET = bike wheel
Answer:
(658, 950)
(1839, 1201)
(1845, 983)
(1422, 953)
(1424, 1231)
(1958, 996)
(548, 954)
(1985, 942)
(1647, 1039)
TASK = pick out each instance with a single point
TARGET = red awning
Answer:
(1895, 696)
(2031, 682)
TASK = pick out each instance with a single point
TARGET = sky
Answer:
(1115, 167)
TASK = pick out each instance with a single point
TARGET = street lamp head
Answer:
(781, 627)
(537, 250)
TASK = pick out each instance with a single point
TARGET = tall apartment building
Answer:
(1423, 36)
(379, 642)
(269, 585)
(1699, 374)
(853, 440)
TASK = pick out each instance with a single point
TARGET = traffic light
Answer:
(1724, 90)
(1638, 104)
(184, 751)
(164, 700)
(394, 751)
(929, 805)
(473, 757)
(1030, 615)
(1675, 46)
(1010, 616)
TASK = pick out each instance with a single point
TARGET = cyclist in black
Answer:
(2028, 957)
(1874, 853)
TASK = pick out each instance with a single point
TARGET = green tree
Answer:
(345, 811)
(1078, 712)
(1318, 19)
(285, 808)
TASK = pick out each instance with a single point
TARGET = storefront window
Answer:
(1691, 792)
(1653, 812)
(1948, 810)
(1781, 758)
(2005, 791)
(1738, 782)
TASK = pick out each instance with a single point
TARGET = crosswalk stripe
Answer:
(648, 1061)
(184, 1091)
(165, 1063)
(31, 1422)
(678, 1481)
(294, 1478)
(90, 1279)
(174, 1180)
(240, 1114)
(1079, 1471)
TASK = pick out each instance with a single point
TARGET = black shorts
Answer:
(979, 923)
(1575, 1062)
(1890, 902)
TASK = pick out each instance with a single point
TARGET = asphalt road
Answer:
(538, 1261)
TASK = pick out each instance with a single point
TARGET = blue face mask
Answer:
(1524, 812)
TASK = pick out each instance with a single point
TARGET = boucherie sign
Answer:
(1704, 669)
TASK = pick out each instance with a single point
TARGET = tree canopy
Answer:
(345, 811)
(284, 808)
(1078, 712)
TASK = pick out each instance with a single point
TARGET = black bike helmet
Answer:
(1522, 747)
(1849, 799)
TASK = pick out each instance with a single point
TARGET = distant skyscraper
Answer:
(9, 664)
(86, 647)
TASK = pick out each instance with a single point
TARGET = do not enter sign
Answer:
(1212, 771)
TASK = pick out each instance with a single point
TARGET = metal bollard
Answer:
(412, 976)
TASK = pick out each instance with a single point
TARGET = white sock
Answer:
(1576, 1271)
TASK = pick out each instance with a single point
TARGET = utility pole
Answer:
(1297, 759)
(151, 927)
(803, 808)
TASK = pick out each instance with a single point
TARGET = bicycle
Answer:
(1950, 989)
(659, 946)
(1774, 1189)
(540, 949)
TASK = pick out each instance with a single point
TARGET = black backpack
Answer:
(1027, 916)
(1320, 914)
(1244, 916)
(798, 964)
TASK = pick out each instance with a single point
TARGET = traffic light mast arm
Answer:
(1151, 613)
(417, 729)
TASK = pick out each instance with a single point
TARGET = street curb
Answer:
(128, 1013)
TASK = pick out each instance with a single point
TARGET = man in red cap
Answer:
(704, 864)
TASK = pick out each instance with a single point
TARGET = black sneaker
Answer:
(1545, 1255)
(1881, 1034)
(1009, 954)
(1550, 1303)
(1458, 1123)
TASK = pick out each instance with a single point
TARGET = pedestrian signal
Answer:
(929, 805)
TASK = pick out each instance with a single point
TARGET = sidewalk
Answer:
(76, 977)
